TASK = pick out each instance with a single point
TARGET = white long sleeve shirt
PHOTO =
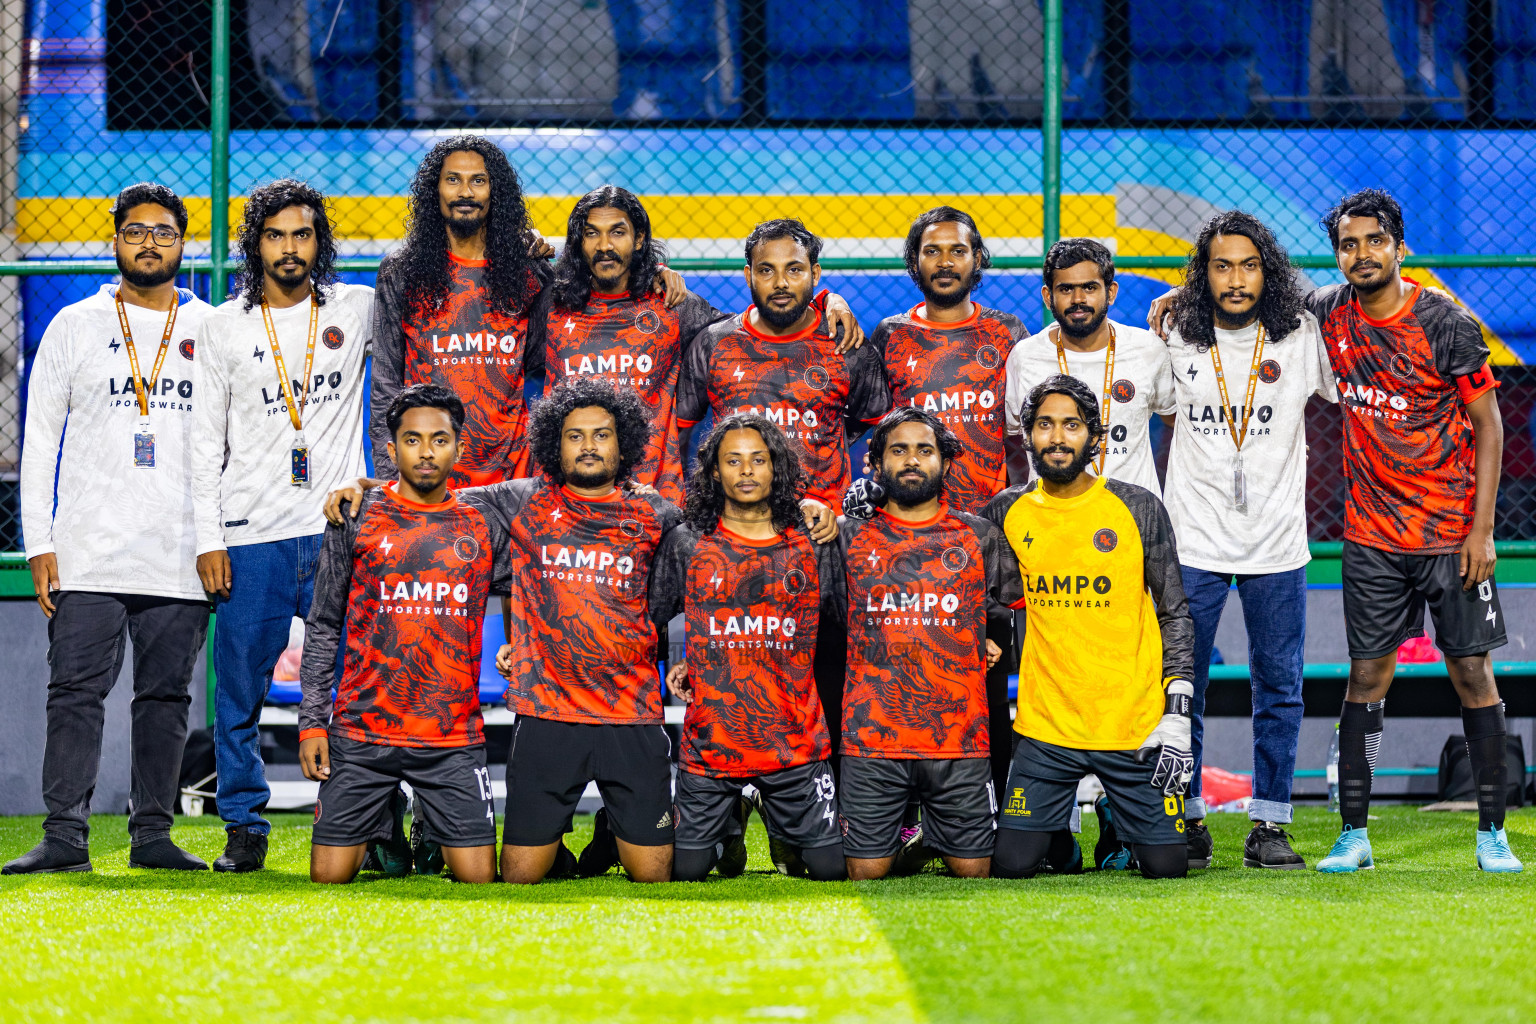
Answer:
(117, 528)
(241, 488)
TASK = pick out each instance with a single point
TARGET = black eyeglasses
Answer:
(134, 234)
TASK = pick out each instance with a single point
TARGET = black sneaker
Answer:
(785, 857)
(1269, 846)
(244, 851)
(48, 857)
(733, 852)
(1110, 853)
(602, 853)
(427, 855)
(1201, 847)
(914, 854)
(392, 857)
(165, 855)
(1064, 856)
(564, 866)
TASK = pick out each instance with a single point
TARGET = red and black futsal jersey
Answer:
(473, 350)
(409, 583)
(636, 342)
(959, 373)
(580, 623)
(753, 611)
(918, 599)
(1409, 447)
(799, 382)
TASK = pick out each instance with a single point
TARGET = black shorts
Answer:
(1385, 595)
(1042, 787)
(451, 787)
(959, 807)
(799, 806)
(550, 764)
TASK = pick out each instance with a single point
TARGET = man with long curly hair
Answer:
(752, 587)
(455, 302)
(602, 316)
(1247, 357)
(279, 385)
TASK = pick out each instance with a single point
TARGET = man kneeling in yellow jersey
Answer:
(1103, 679)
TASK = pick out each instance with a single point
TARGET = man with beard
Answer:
(454, 304)
(1242, 493)
(600, 316)
(279, 379)
(581, 654)
(116, 551)
(1103, 680)
(922, 582)
(405, 579)
(754, 589)
(1128, 365)
(948, 354)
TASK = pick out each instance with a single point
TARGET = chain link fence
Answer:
(853, 115)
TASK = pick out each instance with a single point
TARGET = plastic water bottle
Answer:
(1333, 772)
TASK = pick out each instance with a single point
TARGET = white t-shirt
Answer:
(241, 488)
(1272, 535)
(1142, 388)
(118, 528)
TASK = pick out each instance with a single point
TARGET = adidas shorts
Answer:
(1042, 787)
(799, 806)
(959, 808)
(451, 786)
(550, 764)
(1385, 595)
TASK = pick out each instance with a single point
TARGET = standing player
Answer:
(104, 512)
(1128, 366)
(581, 657)
(948, 354)
(1423, 441)
(781, 359)
(922, 581)
(1103, 681)
(753, 588)
(279, 384)
(601, 316)
(1237, 497)
(406, 578)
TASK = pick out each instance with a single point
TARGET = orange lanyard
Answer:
(1109, 382)
(1253, 385)
(295, 409)
(140, 392)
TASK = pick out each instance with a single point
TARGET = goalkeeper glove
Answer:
(863, 499)
(1171, 741)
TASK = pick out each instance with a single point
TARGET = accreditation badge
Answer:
(144, 445)
(298, 470)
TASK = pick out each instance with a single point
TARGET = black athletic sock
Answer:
(913, 814)
(1487, 751)
(825, 863)
(1019, 854)
(693, 865)
(1360, 728)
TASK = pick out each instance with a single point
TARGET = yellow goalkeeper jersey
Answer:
(1107, 620)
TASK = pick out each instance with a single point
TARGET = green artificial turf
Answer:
(1424, 937)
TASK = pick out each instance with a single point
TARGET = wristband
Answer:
(1178, 704)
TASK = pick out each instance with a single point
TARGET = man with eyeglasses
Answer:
(115, 553)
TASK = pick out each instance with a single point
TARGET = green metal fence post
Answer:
(218, 128)
(1050, 131)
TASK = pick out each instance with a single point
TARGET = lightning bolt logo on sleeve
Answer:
(912, 362)
(739, 373)
(384, 544)
(570, 325)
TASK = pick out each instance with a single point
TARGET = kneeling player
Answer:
(407, 576)
(922, 580)
(752, 586)
(1103, 677)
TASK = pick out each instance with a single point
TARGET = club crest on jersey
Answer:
(1122, 391)
(647, 322)
(955, 559)
(795, 581)
(817, 377)
(631, 528)
(988, 357)
(1105, 540)
(466, 548)
(333, 338)
(1269, 371)
(185, 348)
(1402, 367)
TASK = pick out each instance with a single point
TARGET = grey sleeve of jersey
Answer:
(388, 364)
(1160, 567)
(669, 576)
(1005, 587)
(326, 621)
(500, 502)
(996, 510)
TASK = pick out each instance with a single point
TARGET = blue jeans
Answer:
(1275, 614)
(273, 582)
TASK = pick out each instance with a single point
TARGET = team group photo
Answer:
(592, 511)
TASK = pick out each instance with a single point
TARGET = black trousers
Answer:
(85, 654)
